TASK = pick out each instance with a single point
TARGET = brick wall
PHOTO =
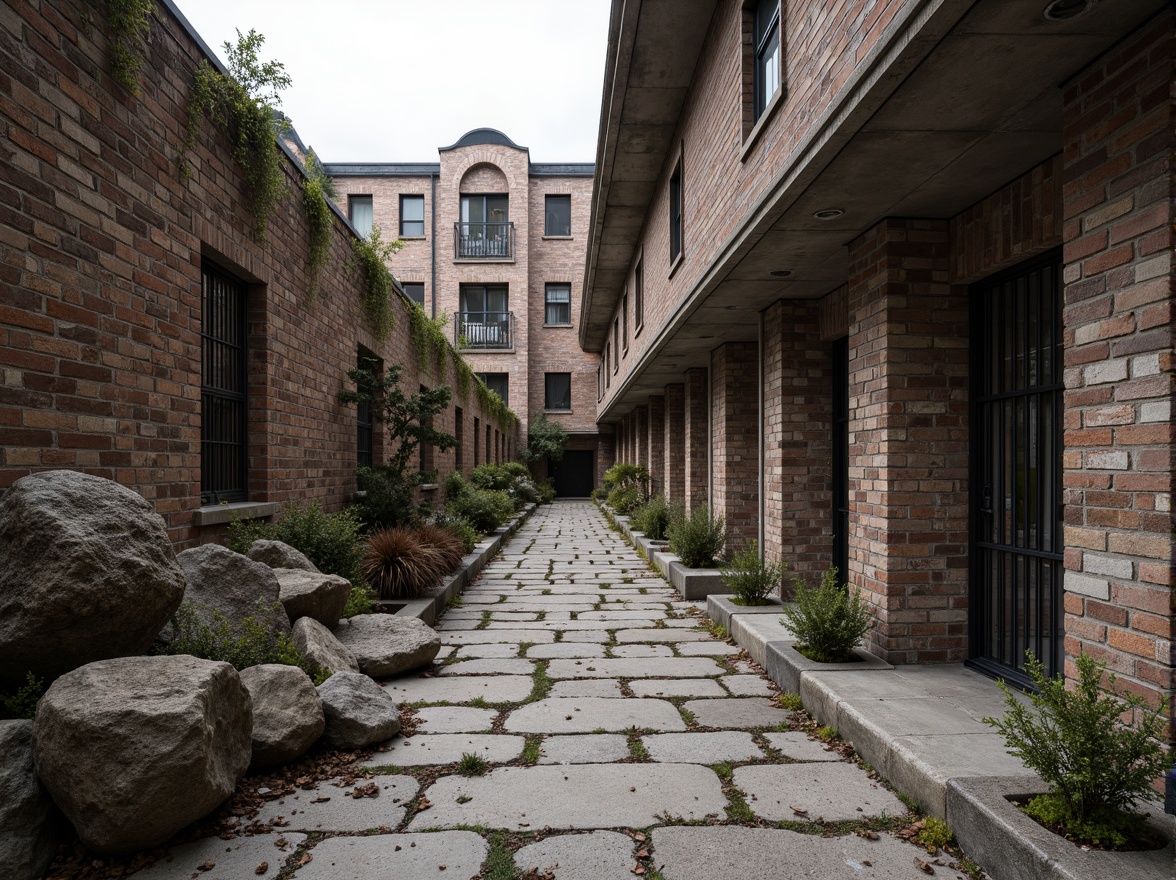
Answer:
(1117, 195)
(657, 439)
(696, 449)
(675, 443)
(735, 441)
(101, 244)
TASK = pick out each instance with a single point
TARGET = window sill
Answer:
(558, 237)
(465, 351)
(566, 326)
(557, 412)
(219, 514)
(637, 330)
(757, 130)
(678, 261)
(413, 238)
(483, 259)
(429, 487)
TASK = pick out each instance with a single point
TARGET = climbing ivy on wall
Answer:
(317, 187)
(130, 23)
(428, 336)
(371, 255)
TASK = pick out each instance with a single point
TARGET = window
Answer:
(557, 391)
(676, 213)
(359, 211)
(485, 229)
(558, 299)
(477, 439)
(484, 319)
(223, 385)
(458, 436)
(604, 363)
(499, 383)
(487, 444)
(638, 297)
(415, 290)
(767, 53)
(625, 320)
(482, 299)
(426, 449)
(559, 216)
(364, 430)
(616, 344)
(412, 216)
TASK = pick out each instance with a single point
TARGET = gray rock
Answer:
(310, 594)
(319, 645)
(134, 749)
(358, 711)
(385, 644)
(287, 713)
(277, 554)
(86, 573)
(29, 830)
(225, 584)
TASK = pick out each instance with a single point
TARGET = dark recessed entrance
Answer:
(1016, 553)
(574, 474)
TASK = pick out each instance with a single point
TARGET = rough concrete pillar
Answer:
(675, 443)
(657, 439)
(696, 406)
(735, 440)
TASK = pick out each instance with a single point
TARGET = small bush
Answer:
(935, 834)
(750, 578)
(484, 510)
(547, 491)
(623, 474)
(459, 527)
(625, 499)
(361, 600)
(387, 499)
(332, 541)
(490, 476)
(22, 702)
(697, 539)
(525, 491)
(400, 565)
(454, 485)
(1096, 767)
(445, 542)
(652, 518)
(598, 494)
(828, 621)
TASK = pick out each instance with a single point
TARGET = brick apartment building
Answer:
(496, 243)
(890, 284)
(147, 333)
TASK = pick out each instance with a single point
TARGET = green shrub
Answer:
(652, 518)
(22, 702)
(504, 504)
(387, 500)
(598, 494)
(545, 439)
(750, 578)
(361, 600)
(828, 621)
(460, 527)
(454, 485)
(547, 491)
(332, 541)
(1096, 767)
(625, 499)
(490, 476)
(623, 474)
(484, 510)
(697, 539)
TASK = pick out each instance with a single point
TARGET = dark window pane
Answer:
(558, 304)
(223, 441)
(499, 383)
(676, 214)
(412, 215)
(559, 216)
(415, 291)
(558, 391)
(639, 296)
(359, 211)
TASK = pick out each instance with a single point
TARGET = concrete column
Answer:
(735, 440)
(657, 439)
(675, 443)
(696, 406)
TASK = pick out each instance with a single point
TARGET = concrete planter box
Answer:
(786, 665)
(662, 560)
(998, 836)
(696, 583)
(720, 607)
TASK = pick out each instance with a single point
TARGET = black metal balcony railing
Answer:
(484, 330)
(485, 241)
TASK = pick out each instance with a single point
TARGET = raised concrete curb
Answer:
(692, 583)
(787, 666)
(720, 607)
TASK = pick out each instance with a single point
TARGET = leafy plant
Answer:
(370, 255)
(243, 106)
(428, 336)
(547, 491)
(1095, 766)
(625, 499)
(935, 834)
(623, 474)
(361, 600)
(484, 509)
(652, 518)
(448, 544)
(317, 187)
(697, 539)
(22, 702)
(332, 541)
(828, 621)
(130, 23)
(752, 578)
(545, 439)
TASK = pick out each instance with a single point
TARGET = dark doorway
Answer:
(574, 474)
(1016, 554)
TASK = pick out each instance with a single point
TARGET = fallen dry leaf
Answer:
(638, 870)
(868, 834)
(208, 865)
(306, 859)
(643, 853)
(800, 811)
(262, 868)
(923, 866)
(320, 800)
(639, 837)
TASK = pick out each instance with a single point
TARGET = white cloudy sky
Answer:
(393, 80)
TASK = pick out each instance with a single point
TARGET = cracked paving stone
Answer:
(586, 748)
(832, 792)
(460, 689)
(737, 712)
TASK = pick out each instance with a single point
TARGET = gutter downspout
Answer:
(433, 241)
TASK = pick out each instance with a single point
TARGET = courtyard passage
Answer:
(606, 734)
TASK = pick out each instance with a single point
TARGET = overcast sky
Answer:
(393, 80)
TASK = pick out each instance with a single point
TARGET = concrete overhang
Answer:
(653, 46)
(959, 99)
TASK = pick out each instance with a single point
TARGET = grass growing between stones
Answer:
(472, 765)
(737, 808)
(532, 749)
(790, 701)
(541, 685)
(637, 750)
(484, 623)
(523, 648)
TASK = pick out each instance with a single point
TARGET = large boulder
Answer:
(230, 586)
(320, 647)
(287, 712)
(386, 644)
(86, 573)
(311, 594)
(359, 712)
(278, 554)
(134, 749)
(29, 825)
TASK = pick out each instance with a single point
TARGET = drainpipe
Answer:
(760, 427)
(433, 241)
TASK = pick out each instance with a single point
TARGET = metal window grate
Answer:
(224, 386)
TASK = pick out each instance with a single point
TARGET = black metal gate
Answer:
(1016, 592)
(574, 473)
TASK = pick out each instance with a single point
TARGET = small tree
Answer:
(409, 422)
(545, 439)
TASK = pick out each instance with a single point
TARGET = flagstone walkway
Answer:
(604, 730)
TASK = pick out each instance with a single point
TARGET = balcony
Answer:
(483, 241)
(484, 331)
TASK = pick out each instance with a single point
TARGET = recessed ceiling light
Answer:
(781, 273)
(828, 214)
(1064, 10)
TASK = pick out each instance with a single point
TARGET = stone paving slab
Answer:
(586, 636)
(447, 748)
(588, 748)
(829, 792)
(331, 808)
(702, 748)
(796, 744)
(586, 714)
(565, 649)
(668, 667)
(707, 649)
(735, 853)
(490, 666)
(748, 686)
(661, 635)
(574, 796)
(452, 855)
(678, 687)
(642, 651)
(484, 636)
(460, 689)
(485, 652)
(599, 855)
(454, 719)
(744, 712)
(231, 860)
(586, 687)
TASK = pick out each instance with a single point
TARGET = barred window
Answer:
(223, 426)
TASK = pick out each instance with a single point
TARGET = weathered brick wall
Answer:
(797, 438)
(641, 436)
(101, 243)
(657, 439)
(908, 474)
(696, 449)
(675, 443)
(735, 441)
(1117, 193)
